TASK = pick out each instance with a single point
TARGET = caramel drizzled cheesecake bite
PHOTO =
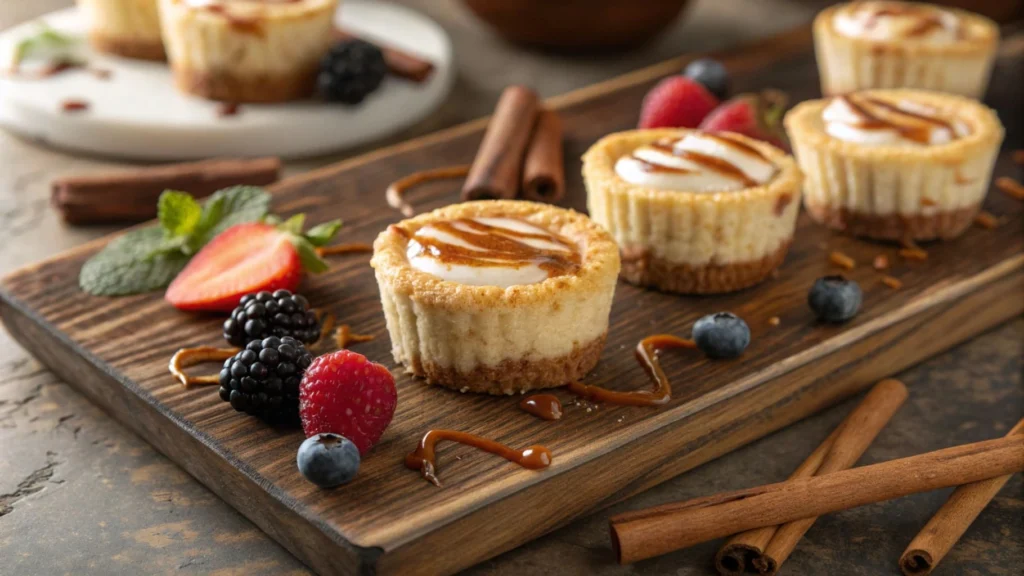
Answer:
(881, 44)
(129, 28)
(693, 212)
(247, 50)
(895, 164)
(497, 297)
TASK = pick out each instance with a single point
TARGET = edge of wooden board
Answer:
(310, 539)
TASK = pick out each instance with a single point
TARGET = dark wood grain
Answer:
(389, 520)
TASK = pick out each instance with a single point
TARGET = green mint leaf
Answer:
(132, 264)
(294, 225)
(311, 261)
(47, 39)
(321, 234)
(236, 205)
(179, 214)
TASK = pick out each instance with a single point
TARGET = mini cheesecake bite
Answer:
(895, 164)
(885, 44)
(693, 212)
(247, 50)
(497, 297)
(128, 28)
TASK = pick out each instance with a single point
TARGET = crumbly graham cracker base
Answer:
(641, 268)
(129, 48)
(260, 88)
(516, 376)
(944, 225)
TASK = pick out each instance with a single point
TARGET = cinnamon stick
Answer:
(647, 533)
(944, 529)
(400, 63)
(544, 170)
(765, 549)
(497, 168)
(131, 195)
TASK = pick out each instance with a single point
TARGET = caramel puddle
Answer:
(647, 356)
(424, 458)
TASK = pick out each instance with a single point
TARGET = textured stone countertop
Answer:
(81, 495)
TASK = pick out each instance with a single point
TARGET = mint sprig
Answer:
(307, 243)
(149, 258)
(48, 41)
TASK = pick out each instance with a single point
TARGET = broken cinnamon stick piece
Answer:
(400, 63)
(544, 169)
(944, 529)
(497, 169)
(767, 548)
(131, 195)
(648, 533)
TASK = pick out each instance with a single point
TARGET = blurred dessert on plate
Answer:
(129, 28)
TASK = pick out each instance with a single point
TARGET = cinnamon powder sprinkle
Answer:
(892, 282)
(1011, 187)
(842, 260)
(774, 321)
(344, 336)
(986, 220)
(881, 262)
(913, 253)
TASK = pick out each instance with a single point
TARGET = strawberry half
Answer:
(758, 116)
(243, 259)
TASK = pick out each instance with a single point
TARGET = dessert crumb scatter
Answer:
(913, 253)
(842, 260)
(774, 321)
(986, 220)
(1011, 187)
(892, 282)
(881, 262)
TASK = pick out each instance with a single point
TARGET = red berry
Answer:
(344, 393)
(676, 102)
(758, 116)
(241, 260)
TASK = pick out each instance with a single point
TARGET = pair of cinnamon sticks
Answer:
(521, 152)
(769, 521)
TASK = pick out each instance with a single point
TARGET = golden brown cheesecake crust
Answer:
(943, 225)
(128, 47)
(516, 376)
(228, 87)
(642, 268)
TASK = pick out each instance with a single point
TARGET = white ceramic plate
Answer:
(138, 114)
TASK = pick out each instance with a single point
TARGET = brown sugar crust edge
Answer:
(944, 225)
(129, 48)
(514, 376)
(640, 267)
(262, 88)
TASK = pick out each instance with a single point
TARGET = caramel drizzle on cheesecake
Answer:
(928, 19)
(708, 162)
(919, 132)
(498, 246)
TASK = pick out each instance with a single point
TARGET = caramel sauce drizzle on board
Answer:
(647, 356)
(543, 406)
(424, 458)
(498, 247)
(920, 132)
(711, 163)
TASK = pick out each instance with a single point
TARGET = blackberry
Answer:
(263, 314)
(350, 71)
(263, 379)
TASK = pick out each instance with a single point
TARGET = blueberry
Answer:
(834, 298)
(328, 460)
(721, 335)
(711, 74)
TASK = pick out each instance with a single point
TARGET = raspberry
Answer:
(676, 102)
(344, 393)
(758, 116)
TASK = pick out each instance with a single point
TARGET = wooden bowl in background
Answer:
(577, 24)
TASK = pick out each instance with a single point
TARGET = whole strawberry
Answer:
(676, 102)
(758, 116)
(344, 393)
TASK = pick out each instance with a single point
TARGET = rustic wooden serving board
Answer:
(390, 521)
